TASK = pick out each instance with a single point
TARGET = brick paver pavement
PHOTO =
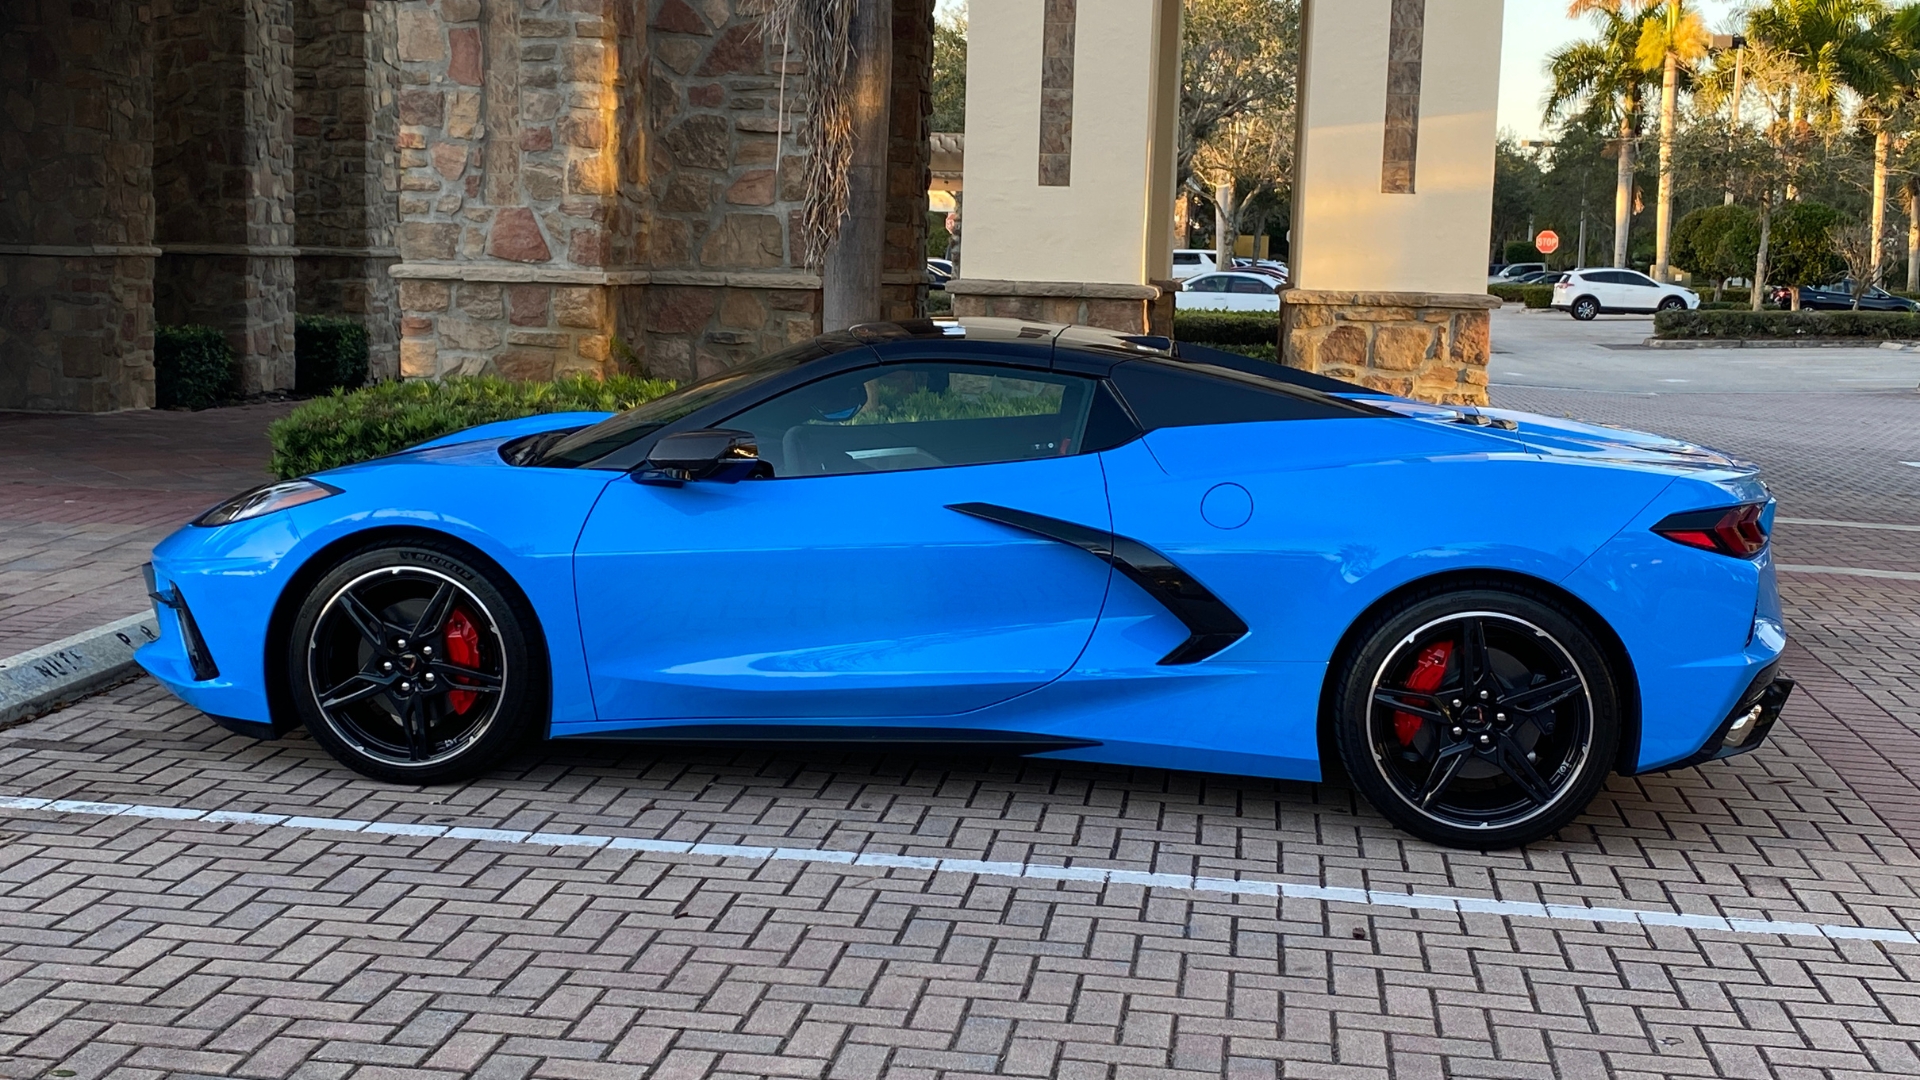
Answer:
(83, 499)
(143, 947)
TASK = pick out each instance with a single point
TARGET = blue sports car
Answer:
(1068, 542)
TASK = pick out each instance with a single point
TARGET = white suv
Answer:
(1188, 262)
(1590, 292)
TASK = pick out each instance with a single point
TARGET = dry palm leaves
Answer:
(821, 31)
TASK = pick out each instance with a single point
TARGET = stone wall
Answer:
(909, 161)
(223, 183)
(1431, 346)
(76, 206)
(346, 175)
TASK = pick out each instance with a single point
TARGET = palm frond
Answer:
(822, 33)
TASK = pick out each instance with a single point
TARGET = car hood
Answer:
(1552, 436)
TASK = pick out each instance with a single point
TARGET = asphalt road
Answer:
(1550, 349)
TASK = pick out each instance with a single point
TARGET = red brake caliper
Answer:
(463, 648)
(1428, 671)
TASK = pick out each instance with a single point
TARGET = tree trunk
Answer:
(850, 277)
(1223, 225)
(1623, 192)
(1913, 233)
(1663, 213)
(1881, 141)
(1760, 259)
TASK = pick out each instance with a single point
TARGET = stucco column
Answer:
(1071, 108)
(1394, 195)
(76, 206)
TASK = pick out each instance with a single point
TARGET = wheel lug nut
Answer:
(405, 686)
(1484, 695)
(1501, 717)
(1531, 756)
(1457, 732)
(386, 665)
(1457, 703)
(426, 650)
(1485, 740)
(427, 678)
(401, 643)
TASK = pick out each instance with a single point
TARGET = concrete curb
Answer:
(38, 680)
(1774, 343)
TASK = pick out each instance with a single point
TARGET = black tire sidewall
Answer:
(1353, 705)
(523, 704)
(1584, 305)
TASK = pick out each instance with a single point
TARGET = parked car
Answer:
(939, 272)
(1272, 266)
(1512, 272)
(1587, 293)
(1190, 261)
(1240, 290)
(1047, 540)
(1541, 277)
(1839, 297)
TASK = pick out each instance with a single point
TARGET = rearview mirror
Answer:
(718, 454)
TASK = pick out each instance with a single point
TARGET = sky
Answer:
(1535, 28)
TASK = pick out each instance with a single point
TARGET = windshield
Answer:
(593, 443)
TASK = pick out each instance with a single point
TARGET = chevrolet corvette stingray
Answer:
(1069, 543)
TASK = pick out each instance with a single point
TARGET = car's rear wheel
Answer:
(1671, 303)
(1586, 309)
(1477, 718)
(410, 663)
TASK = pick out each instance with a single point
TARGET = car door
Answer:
(848, 585)
(1254, 293)
(1638, 292)
(1207, 292)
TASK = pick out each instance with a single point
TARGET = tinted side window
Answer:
(1628, 277)
(1252, 285)
(919, 416)
(1210, 283)
(1164, 396)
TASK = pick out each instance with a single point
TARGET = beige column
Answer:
(1071, 107)
(1394, 196)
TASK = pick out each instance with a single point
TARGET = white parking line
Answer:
(1575, 913)
(1850, 571)
(1849, 524)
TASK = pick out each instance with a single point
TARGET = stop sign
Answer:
(1546, 241)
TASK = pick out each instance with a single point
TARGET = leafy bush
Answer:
(1800, 250)
(193, 368)
(328, 351)
(346, 427)
(1521, 251)
(1784, 325)
(1534, 296)
(1225, 328)
(1508, 293)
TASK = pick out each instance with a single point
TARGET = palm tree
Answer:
(1600, 82)
(1671, 34)
(1842, 47)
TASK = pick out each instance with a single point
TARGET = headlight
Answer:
(265, 500)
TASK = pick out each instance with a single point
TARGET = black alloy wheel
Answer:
(1671, 303)
(409, 663)
(1482, 718)
(1586, 309)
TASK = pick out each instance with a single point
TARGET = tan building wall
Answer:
(1347, 232)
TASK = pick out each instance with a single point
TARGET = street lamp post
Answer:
(1738, 43)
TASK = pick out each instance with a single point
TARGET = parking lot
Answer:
(176, 900)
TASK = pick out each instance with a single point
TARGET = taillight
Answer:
(1730, 530)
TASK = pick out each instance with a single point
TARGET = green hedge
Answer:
(1225, 328)
(346, 427)
(193, 368)
(1534, 296)
(328, 351)
(1785, 325)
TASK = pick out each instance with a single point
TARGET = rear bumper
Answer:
(1747, 724)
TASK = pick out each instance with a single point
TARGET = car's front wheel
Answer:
(1477, 718)
(1586, 309)
(409, 663)
(1672, 303)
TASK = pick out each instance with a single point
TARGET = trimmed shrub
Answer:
(348, 427)
(1509, 293)
(1224, 328)
(1786, 325)
(193, 368)
(1537, 296)
(328, 351)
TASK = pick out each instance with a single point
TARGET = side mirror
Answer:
(718, 454)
